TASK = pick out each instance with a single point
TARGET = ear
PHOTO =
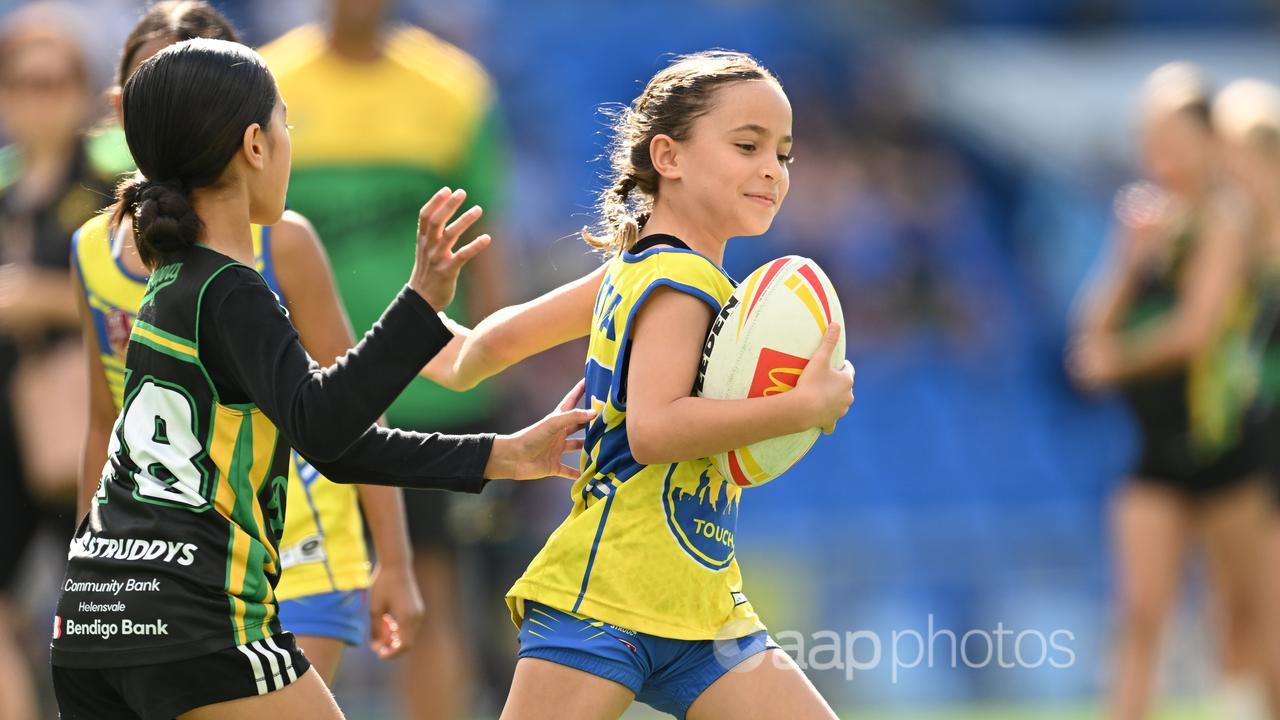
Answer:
(115, 96)
(664, 153)
(254, 146)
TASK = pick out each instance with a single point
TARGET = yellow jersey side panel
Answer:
(323, 547)
(645, 547)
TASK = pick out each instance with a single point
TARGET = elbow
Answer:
(461, 383)
(447, 380)
(319, 450)
(646, 447)
(480, 358)
(317, 454)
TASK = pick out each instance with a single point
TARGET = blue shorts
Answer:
(341, 615)
(668, 675)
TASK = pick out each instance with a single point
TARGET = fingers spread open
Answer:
(459, 226)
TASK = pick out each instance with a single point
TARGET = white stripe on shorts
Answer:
(271, 659)
(257, 668)
(288, 659)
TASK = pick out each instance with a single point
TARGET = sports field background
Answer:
(955, 165)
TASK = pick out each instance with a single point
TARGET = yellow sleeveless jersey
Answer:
(323, 547)
(646, 547)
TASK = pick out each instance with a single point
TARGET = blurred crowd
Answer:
(967, 487)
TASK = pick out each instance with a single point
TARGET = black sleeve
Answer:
(327, 414)
(432, 460)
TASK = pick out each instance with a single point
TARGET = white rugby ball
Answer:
(758, 345)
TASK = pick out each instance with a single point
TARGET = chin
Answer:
(754, 227)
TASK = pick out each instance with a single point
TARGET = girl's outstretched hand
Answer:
(535, 452)
(436, 264)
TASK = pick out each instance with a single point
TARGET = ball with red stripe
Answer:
(758, 346)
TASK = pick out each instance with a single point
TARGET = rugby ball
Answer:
(757, 347)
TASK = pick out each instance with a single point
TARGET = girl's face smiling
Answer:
(731, 171)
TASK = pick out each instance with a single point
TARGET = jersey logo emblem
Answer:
(703, 515)
(163, 277)
(119, 327)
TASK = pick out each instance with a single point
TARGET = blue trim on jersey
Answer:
(628, 256)
(75, 254)
(119, 261)
(299, 462)
(624, 346)
(99, 320)
(613, 456)
(100, 328)
(341, 615)
(595, 545)
(268, 268)
(307, 472)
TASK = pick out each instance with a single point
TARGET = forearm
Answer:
(384, 510)
(46, 300)
(364, 382)
(477, 357)
(1163, 348)
(694, 427)
(58, 300)
(385, 456)
(514, 333)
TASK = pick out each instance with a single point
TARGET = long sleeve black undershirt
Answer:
(252, 354)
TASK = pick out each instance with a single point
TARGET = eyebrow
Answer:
(759, 129)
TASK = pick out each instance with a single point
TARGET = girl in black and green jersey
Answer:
(168, 606)
(1165, 322)
(1247, 118)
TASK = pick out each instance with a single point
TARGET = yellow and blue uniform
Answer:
(325, 565)
(641, 579)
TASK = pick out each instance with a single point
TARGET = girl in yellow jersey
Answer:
(638, 595)
(325, 592)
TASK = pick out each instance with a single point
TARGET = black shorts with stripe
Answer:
(166, 690)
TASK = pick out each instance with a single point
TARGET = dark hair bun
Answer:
(164, 222)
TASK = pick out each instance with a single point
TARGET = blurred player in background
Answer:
(327, 596)
(1246, 116)
(1164, 320)
(382, 112)
(49, 184)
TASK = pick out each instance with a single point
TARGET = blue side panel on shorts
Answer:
(341, 615)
